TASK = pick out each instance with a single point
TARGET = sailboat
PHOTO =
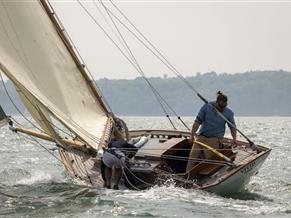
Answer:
(37, 55)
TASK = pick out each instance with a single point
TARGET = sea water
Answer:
(33, 182)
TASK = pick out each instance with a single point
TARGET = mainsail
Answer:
(46, 75)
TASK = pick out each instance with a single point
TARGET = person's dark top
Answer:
(128, 149)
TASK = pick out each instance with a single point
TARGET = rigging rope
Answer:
(157, 94)
(164, 60)
(109, 12)
(15, 106)
(66, 133)
(134, 62)
(128, 58)
(36, 142)
(182, 158)
(123, 172)
(159, 55)
(112, 29)
(29, 121)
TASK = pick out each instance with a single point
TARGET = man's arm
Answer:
(233, 134)
(232, 128)
(199, 119)
(195, 127)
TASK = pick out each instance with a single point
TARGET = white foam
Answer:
(161, 193)
(38, 177)
(197, 197)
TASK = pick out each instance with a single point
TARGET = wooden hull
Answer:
(159, 152)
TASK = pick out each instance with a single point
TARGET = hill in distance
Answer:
(256, 93)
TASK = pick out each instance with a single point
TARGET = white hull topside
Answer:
(236, 181)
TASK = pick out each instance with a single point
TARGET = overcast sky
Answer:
(196, 36)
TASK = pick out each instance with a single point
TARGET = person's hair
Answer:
(221, 96)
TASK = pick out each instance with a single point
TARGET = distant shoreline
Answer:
(251, 94)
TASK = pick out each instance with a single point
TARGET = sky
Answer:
(195, 36)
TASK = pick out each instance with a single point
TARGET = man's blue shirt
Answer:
(212, 125)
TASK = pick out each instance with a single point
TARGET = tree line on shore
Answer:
(256, 93)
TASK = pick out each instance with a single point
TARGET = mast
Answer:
(82, 68)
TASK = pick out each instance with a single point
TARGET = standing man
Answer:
(212, 127)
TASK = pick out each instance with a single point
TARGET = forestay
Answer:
(34, 57)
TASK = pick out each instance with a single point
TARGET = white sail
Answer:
(33, 55)
(35, 109)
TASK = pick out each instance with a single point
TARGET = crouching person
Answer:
(114, 159)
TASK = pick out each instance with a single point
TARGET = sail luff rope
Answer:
(95, 21)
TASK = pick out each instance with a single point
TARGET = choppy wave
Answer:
(33, 183)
